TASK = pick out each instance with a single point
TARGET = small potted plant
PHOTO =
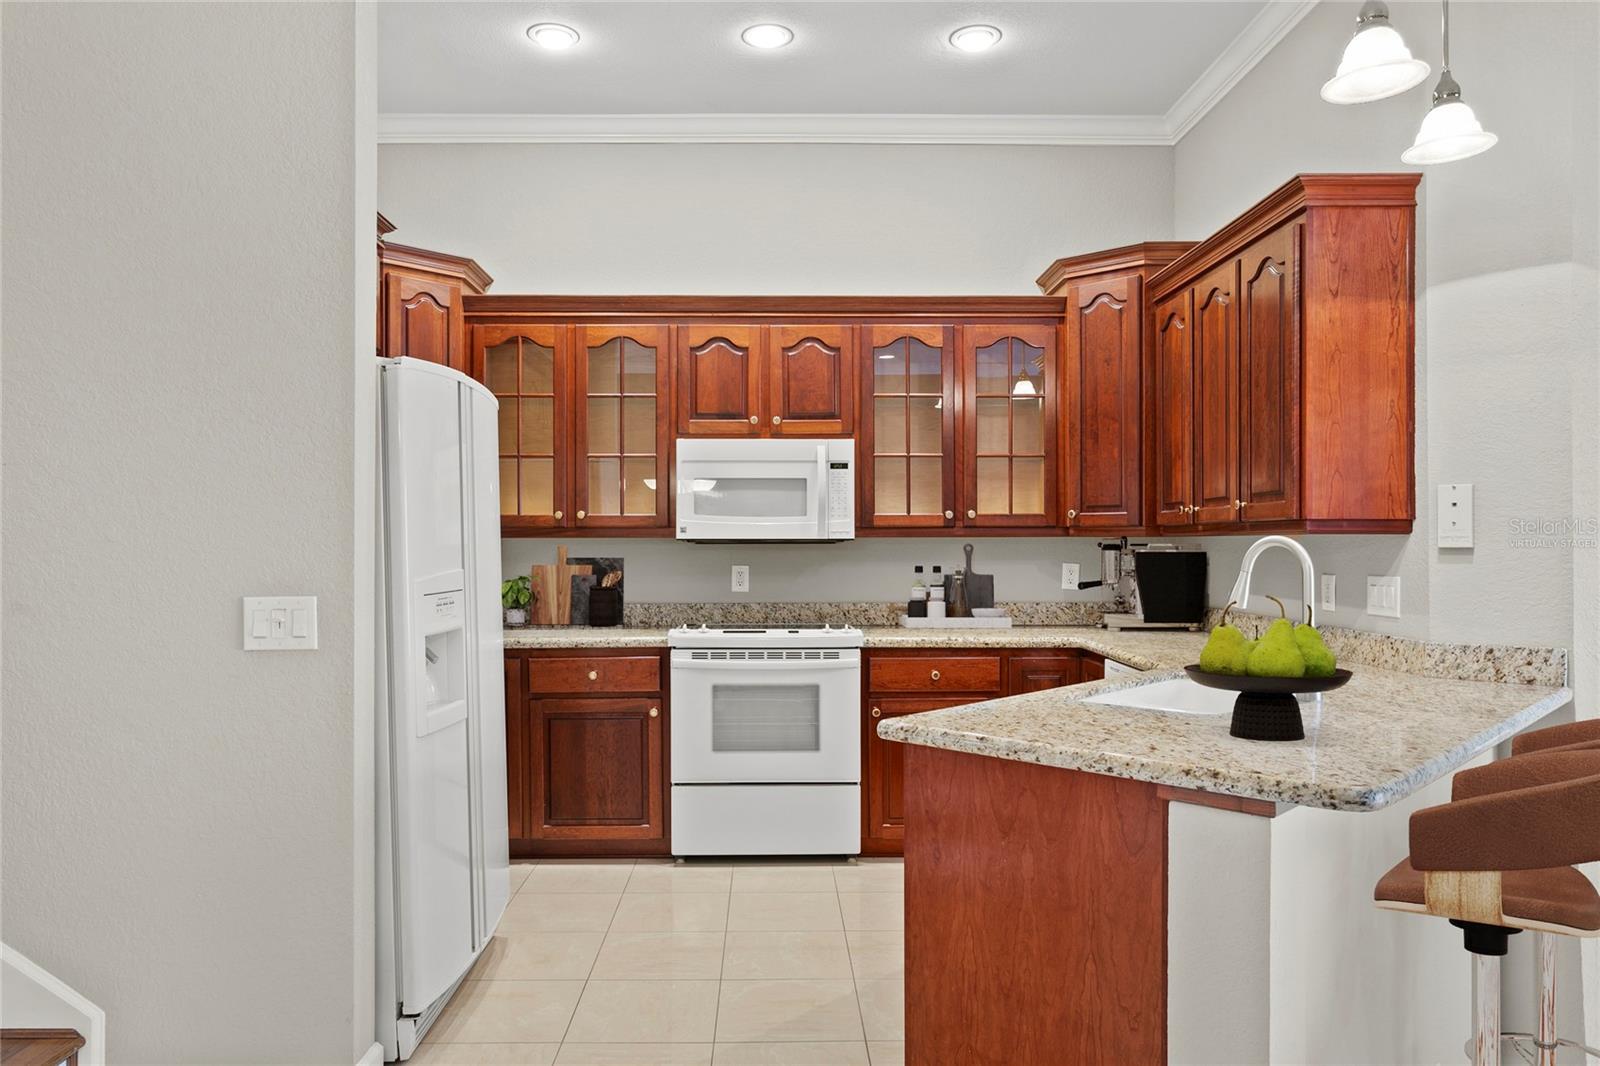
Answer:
(515, 595)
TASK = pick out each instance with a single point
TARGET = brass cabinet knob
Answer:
(594, 675)
(935, 675)
(557, 515)
(877, 712)
(1072, 514)
(582, 515)
(949, 514)
(972, 514)
(1239, 504)
(777, 420)
(655, 712)
(753, 420)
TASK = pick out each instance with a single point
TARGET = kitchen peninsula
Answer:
(1094, 883)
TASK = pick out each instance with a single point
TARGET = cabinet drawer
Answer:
(966, 673)
(623, 673)
(1035, 673)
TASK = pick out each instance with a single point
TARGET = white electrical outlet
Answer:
(1327, 592)
(1455, 516)
(741, 579)
(1069, 575)
(1383, 596)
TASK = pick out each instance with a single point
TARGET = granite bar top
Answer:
(1374, 741)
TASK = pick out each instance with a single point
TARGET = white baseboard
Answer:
(373, 1057)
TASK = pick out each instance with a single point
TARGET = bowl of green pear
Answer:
(1268, 673)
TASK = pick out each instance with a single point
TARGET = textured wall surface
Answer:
(179, 249)
(772, 218)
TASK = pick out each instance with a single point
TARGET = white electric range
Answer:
(766, 740)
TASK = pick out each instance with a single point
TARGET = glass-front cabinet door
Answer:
(526, 367)
(906, 447)
(622, 426)
(1008, 432)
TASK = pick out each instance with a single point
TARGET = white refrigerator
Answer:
(443, 874)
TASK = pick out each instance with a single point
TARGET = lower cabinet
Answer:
(909, 682)
(587, 754)
(1092, 666)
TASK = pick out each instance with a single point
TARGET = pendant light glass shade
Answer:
(1449, 131)
(1376, 63)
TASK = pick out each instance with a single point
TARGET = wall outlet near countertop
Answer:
(741, 579)
(1069, 575)
(1327, 593)
(1383, 596)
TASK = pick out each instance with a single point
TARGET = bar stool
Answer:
(1499, 858)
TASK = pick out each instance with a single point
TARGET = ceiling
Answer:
(1130, 69)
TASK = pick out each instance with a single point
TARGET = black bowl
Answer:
(1286, 685)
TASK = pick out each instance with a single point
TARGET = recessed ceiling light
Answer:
(552, 36)
(767, 35)
(975, 38)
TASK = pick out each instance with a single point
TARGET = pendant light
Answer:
(1376, 63)
(1449, 130)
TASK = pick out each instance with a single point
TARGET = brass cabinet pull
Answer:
(655, 712)
(777, 420)
(557, 515)
(936, 675)
(753, 420)
(1072, 514)
(1239, 504)
(594, 675)
(582, 515)
(877, 712)
(949, 514)
(972, 514)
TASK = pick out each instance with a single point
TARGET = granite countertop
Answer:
(1376, 740)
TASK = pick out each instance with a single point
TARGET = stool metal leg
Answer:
(1486, 1031)
(1545, 944)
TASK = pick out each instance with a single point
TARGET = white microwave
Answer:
(766, 489)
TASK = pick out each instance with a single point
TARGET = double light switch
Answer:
(280, 623)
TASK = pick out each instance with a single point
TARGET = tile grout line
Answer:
(609, 923)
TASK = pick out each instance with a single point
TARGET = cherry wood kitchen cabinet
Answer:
(420, 302)
(622, 444)
(1092, 666)
(719, 380)
(1103, 382)
(591, 753)
(883, 772)
(1035, 673)
(1008, 436)
(906, 476)
(529, 369)
(1296, 320)
(516, 746)
(811, 381)
(754, 380)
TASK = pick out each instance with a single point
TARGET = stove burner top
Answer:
(805, 634)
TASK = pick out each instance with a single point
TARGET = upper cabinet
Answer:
(1008, 430)
(420, 302)
(719, 380)
(906, 446)
(622, 444)
(528, 368)
(1296, 320)
(739, 380)
(811, 380)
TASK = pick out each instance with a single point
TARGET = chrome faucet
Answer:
(1241, 587)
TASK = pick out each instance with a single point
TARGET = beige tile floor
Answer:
(698, 964)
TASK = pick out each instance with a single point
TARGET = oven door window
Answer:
(751, 497)
(766, 718)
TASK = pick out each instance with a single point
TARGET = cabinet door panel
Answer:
(1216, 396)
(423, 320)
(1173, 390)
(906, 466)
(909, 673)
(883, 772)
(811, 381)
(528, 370)
(1009, 394)
(597, 769)
(1269, 371)
(719, 380)
(1035, 673)
(622, 441)
(1102, 415)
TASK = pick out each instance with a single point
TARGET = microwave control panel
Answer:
(841, 500)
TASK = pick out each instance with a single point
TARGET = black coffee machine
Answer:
(1163, 585)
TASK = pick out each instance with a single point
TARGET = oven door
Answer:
(734, 497)
(775, 715)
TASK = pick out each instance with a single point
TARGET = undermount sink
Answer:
(1177, 696)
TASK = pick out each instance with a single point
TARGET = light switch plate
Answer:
(1069, 575)
(1455, 516)
(1383, 596)
(280, 623)
(1328, 601)
(741, 579)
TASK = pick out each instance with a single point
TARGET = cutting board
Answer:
(980, 587)
(552, 590)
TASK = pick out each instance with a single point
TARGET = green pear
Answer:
(1320, 662)
(1225, 652)
(1276, 654)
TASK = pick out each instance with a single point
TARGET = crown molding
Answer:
(1270, 26)
(771, 129)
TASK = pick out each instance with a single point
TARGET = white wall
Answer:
(179, 403)
(772, 218)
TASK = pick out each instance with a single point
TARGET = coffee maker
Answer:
(1163, 585)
